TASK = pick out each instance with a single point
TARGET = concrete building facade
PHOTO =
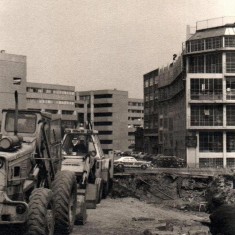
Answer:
(108, 111)
(135, 119)
(210, 100)
(59, 100)
(196, 101)
(12, 78)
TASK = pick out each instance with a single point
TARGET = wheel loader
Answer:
(34, 192)
(93, 169)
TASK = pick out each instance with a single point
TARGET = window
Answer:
(146, 83)
(206, 115)
(211, 142)
(210, 89)
(230, 62)
(211, 162)
(26, 122)
(103, 114)
(105, 132)
(101, 96)
(197, 45)
(103, 123)
(104, 105)
(230, 88)
(214, 63)
(213, 43)
(230, 114)
(230, 141)
(196, 64)
(67, 112)
(229, 41)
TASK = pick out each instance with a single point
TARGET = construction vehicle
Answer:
(34, 192)
(93, 169)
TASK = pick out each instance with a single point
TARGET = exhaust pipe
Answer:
(16, 114)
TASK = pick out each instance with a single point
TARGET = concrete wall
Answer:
(12, 66)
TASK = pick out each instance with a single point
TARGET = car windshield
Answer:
(26, 122)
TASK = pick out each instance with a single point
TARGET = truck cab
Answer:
(92, 167)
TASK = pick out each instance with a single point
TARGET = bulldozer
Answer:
(34, 193)
(93, 169)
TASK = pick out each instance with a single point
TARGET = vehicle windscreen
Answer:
(75, 143)
(26, 122)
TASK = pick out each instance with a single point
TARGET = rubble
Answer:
(201, 194)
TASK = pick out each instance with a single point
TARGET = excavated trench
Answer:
(212, 195)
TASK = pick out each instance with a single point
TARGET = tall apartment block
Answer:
(196, 99)
(108, 111)
(59, 100)
(135, 119)
(12, 78)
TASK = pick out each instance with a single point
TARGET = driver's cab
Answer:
(81, 142)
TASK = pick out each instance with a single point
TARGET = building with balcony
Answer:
(210, 100)
(108, 112)
(59, 100)
(135, 119)
(196, 98)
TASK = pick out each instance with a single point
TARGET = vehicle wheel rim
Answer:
(50, 219)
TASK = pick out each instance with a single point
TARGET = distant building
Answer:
(108, 111)
(151, 111)
(194, 99)
(12, 78)
(135, 119)
(59, 100)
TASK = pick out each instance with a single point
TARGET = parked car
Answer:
(131, 162)
(169, 161)
(117, 152)
(126, 153)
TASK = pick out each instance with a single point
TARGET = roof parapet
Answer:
(215, 22)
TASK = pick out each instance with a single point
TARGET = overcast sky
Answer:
(100, 44)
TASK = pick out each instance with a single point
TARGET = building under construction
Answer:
(190, 104)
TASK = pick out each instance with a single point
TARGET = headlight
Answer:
(5, 143)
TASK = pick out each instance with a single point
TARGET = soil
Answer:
(130, 216)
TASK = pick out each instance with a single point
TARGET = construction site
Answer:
(166, 201)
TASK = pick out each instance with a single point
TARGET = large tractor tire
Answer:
(41, 216)
(64, 189)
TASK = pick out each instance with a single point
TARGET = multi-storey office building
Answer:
(135, 118)
(210, 100)
(108, 111)
(196, 106)
(12, 78)
(164, 110)
(59, 100)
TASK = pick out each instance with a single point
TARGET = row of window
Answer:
(212, 115)
(211, 89)
(211, 63)
(210, 43)
(49, 91)
(47, 101)
(135, 104)
(213, 142)
(135, 111)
